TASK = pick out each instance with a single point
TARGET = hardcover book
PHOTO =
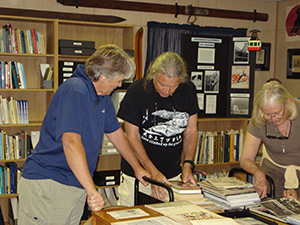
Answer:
(182, 188)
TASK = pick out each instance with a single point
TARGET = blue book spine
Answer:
(1, 149)
(1, 181)
(3, 75)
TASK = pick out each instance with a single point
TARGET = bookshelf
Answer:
(38, 98)
(220, 124)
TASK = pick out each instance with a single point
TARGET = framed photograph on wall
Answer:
(293, 64)
(263, 57)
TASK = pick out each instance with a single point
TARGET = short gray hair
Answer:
(273, 93)
(110, 61)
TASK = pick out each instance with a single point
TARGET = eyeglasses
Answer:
(277, 137)
(278, 115)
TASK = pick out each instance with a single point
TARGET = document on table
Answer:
(127, 213)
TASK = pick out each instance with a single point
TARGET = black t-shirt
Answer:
(162, 122)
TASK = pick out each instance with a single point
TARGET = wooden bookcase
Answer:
(220, 124)
(38, 98)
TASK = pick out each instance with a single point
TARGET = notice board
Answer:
(222, 70)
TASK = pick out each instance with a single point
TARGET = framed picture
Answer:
(263, 57)
(293, 64)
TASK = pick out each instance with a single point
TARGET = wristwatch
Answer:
(190, 162)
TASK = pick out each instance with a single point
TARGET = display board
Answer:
(222, 70)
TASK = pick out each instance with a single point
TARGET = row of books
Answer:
(15, 146)
(13, 111)
(10, 175)
(12, 75)
(219, 147)
(14, 40)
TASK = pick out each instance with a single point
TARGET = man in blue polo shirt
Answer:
(57, 177)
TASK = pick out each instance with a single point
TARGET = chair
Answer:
(142, 199)
(269, 179)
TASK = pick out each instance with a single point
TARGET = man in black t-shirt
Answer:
(160, 117)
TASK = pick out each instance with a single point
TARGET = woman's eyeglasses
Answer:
(270, 116)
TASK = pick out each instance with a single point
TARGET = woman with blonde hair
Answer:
(275, 123)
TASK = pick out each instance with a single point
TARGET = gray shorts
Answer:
(49, 202)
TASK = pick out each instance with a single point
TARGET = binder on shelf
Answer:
(66, 69)
(76, 43)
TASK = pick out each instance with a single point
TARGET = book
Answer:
(13, 211)
(17, 73)
(34, 41)
(127, 213)
(185, 212)
(223, 183)
(23, 79)
(182, 188)
(1, 217)
(3, 75)
(161, 220)
(280, 207)
(1, 180)
(293, 219)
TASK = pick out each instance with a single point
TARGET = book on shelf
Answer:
(1, 217)
(218, 147)
(34, 41)
(13, 211)
(184, 188)
(3, 82)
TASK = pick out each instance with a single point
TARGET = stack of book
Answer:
(229, 192)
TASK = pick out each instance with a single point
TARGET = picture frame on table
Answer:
(293, 64)
(263, 57)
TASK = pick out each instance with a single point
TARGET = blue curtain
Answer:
(164, 37)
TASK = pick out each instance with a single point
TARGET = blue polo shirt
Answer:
(75, 107)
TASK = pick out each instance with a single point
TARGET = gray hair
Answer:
(273, 93)
(170, 64)
(110, 61)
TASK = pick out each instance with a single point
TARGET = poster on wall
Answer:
(241, 53)
(212, 79)
(211, 104)
(197, 79)
(240, 76)
(292, 23)
(239, 103)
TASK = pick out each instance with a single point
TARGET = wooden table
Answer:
(102, 218)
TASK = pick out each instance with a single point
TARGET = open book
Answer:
(280, 208)
(184, 212)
